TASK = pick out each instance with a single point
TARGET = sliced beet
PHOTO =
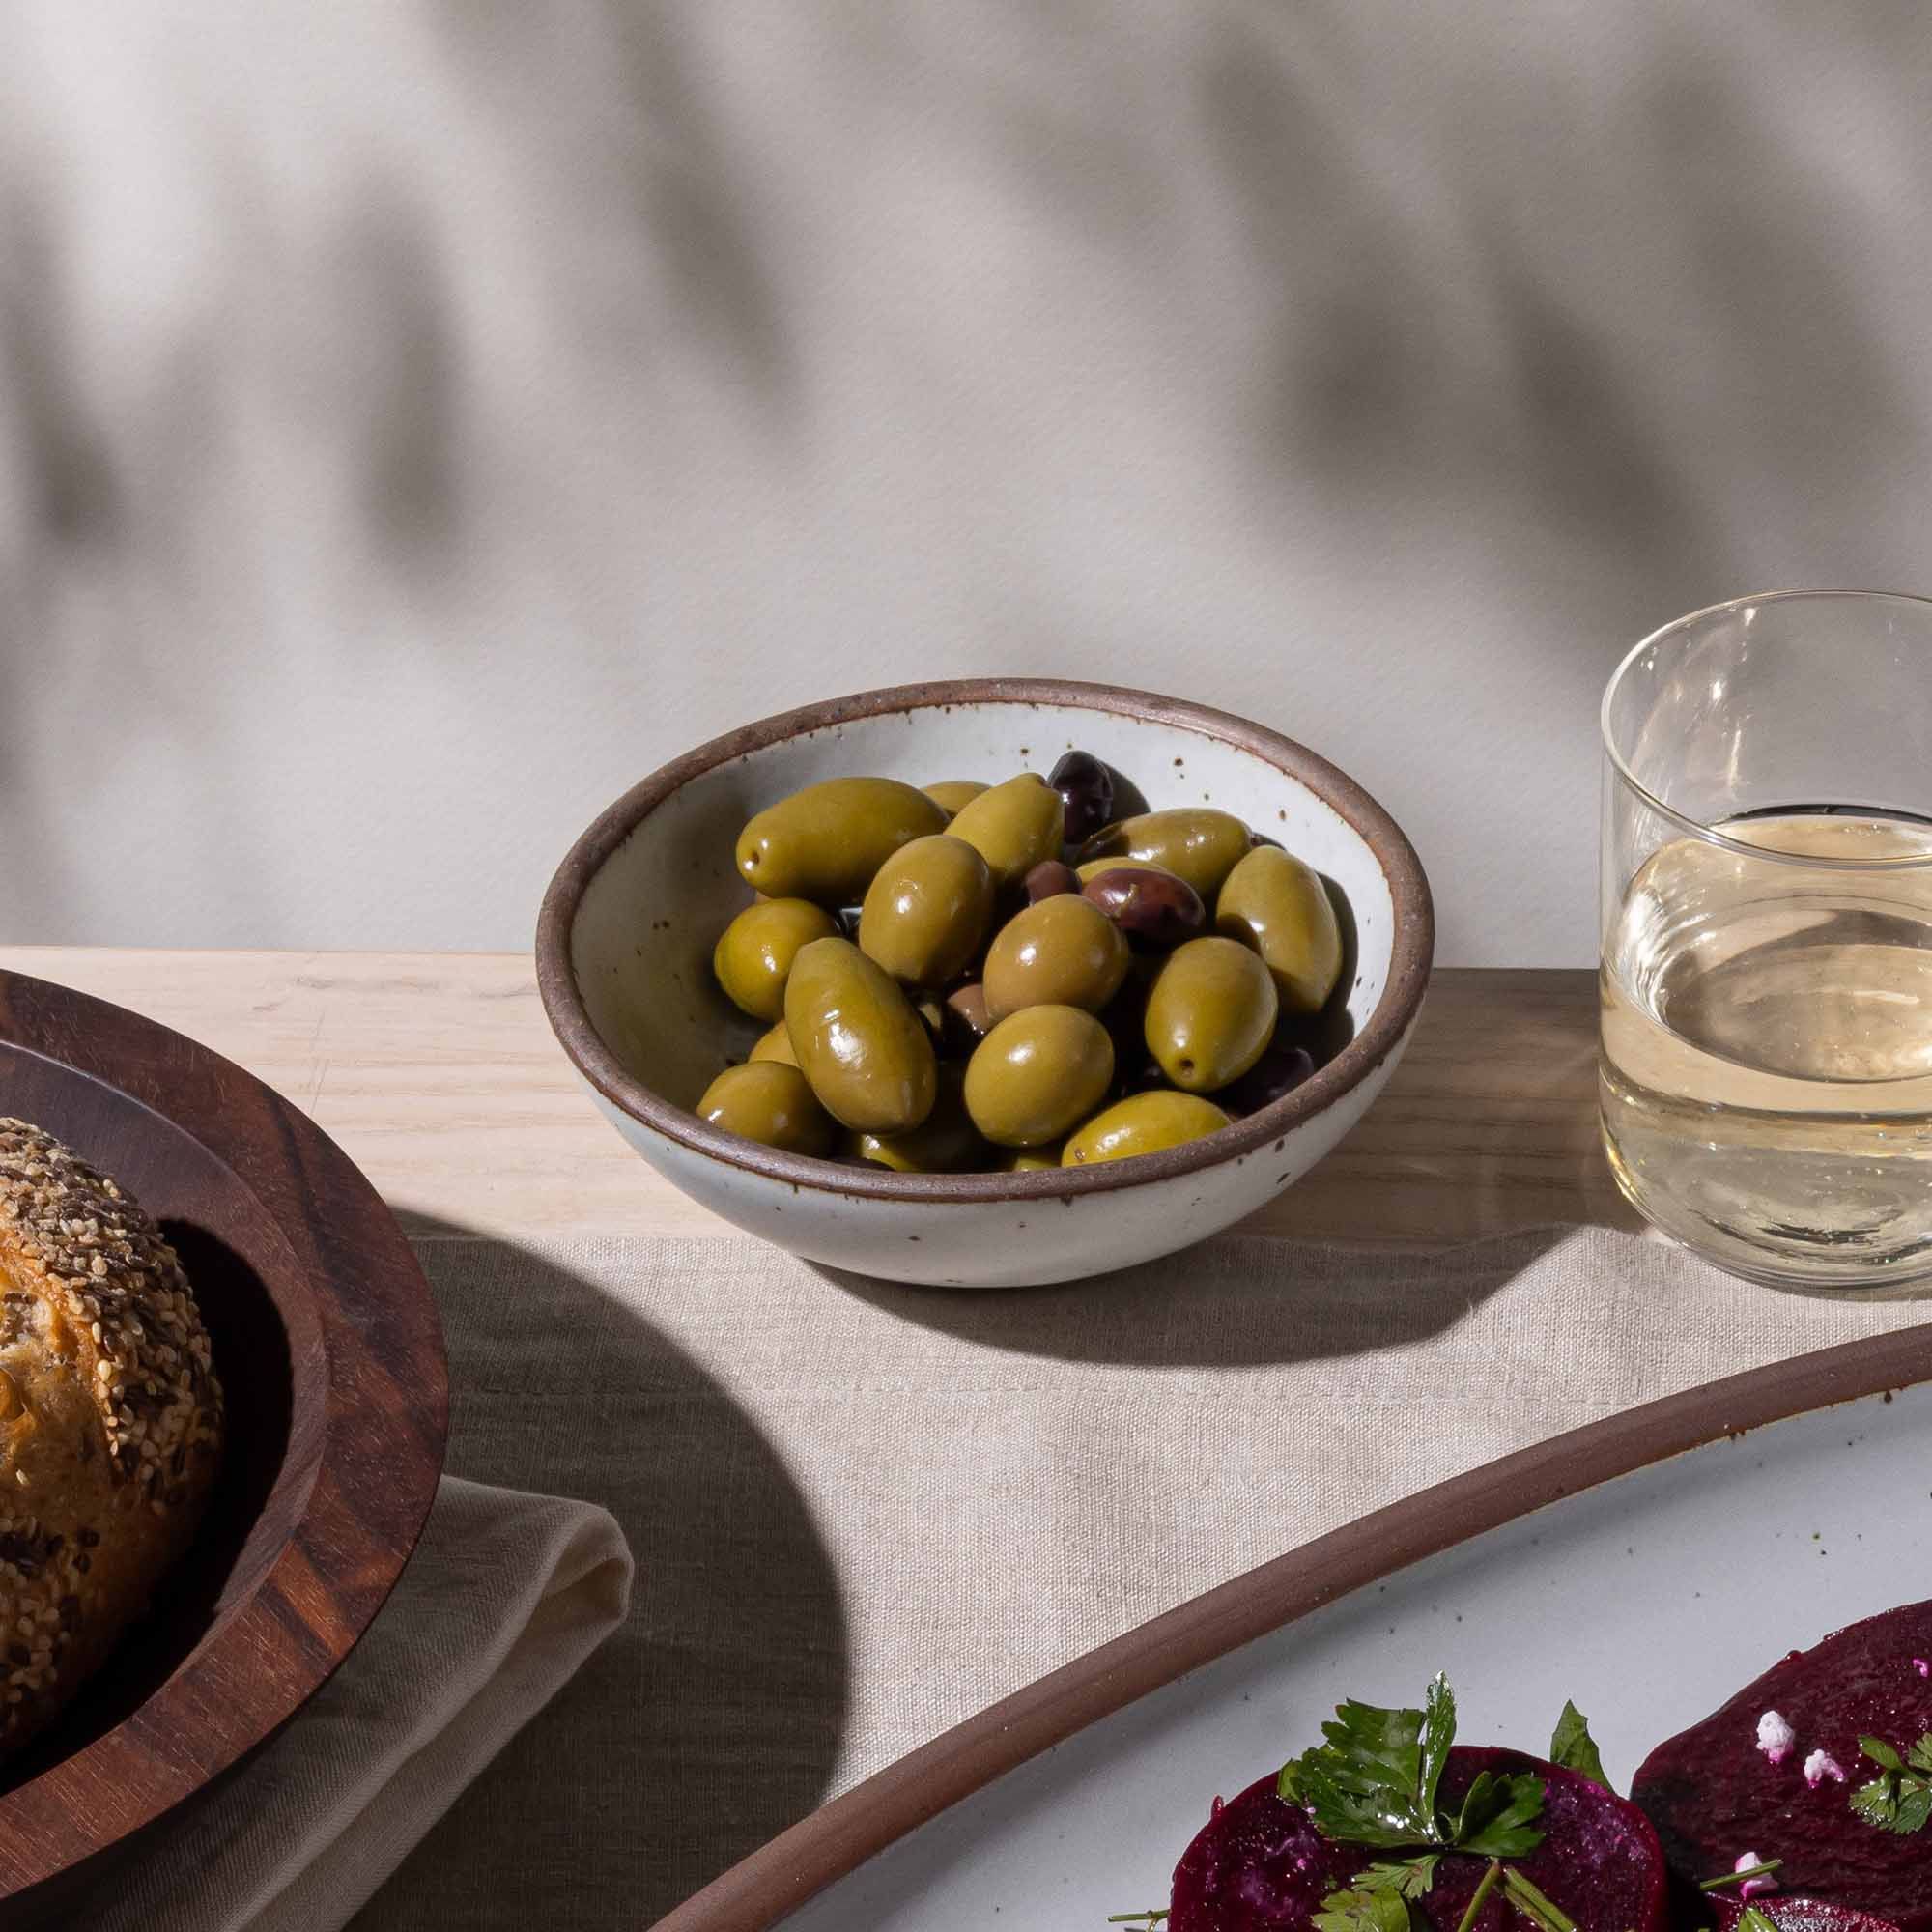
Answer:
(1802, 1915)
(1599, 1859)
(1711, 1792)
(1259, 1865)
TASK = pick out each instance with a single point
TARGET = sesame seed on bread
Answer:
(110, 1421)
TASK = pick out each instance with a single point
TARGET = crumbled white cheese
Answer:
(1820, 1765)
(1774, 1736)
(1751, 1887)
(1920, 1664)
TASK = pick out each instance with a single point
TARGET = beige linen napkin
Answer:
(505, 1597)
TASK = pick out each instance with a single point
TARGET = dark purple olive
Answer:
(1124, 1016)
(1154, 908)
(1280, 1070)
(966, 1019)
(1086, 789)
(1048, 880)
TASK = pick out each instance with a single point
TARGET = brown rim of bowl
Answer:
(1412, 945)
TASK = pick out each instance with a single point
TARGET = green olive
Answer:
(1142, 1123)
(767, 1101)
(1062, 952)
(1031, 1161)
(1013, 826)
(865, 1052)
(1274, 904)
(1092, 869)
(775, 1043)
(754, 955)
(824, 842)
(926, 911)
(1211, 1014)
(953, 795)
(1037, 1073)
(945, 1142)
(1195, 841)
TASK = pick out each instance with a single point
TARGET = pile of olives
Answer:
(971, 978)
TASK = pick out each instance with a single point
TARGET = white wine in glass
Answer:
(1767, 1044)
(1766, 1066)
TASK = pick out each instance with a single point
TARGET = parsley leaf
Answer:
(1899, 1798)
(1373, 1901)
(1497, 1814)
(1752, 1920)
(1358, 1910)
(1877, 1802)
(1574, 1747)
(1373, 1781)
(1410, 1879)
(1438, 1733)
(1364, 1783)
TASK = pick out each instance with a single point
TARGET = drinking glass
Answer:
(1766, 1064)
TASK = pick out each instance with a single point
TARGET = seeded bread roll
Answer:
(110, 1422)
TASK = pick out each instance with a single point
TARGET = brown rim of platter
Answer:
(835, 1840)
(1412, 945)
(368, 1408)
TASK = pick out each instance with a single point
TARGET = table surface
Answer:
(439, 1077)
(862, 1513)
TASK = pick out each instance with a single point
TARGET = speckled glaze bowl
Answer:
(624, 950)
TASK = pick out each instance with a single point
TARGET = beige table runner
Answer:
(861, 1513)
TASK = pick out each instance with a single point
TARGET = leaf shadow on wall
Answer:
(1586, 324)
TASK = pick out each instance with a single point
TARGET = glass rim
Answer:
(1696, 827)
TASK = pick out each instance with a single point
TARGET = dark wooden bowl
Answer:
(326, 1340)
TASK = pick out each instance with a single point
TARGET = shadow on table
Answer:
(1237, 1301)
(1488, 1125)
(711, 1718)
(1530, 1139)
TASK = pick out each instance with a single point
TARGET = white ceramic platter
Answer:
(1648, 1598)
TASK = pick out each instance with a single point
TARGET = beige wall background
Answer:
(418, 420)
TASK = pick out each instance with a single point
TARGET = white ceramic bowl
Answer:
(624, 963)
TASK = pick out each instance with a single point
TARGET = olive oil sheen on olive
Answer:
(1765, 1073)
